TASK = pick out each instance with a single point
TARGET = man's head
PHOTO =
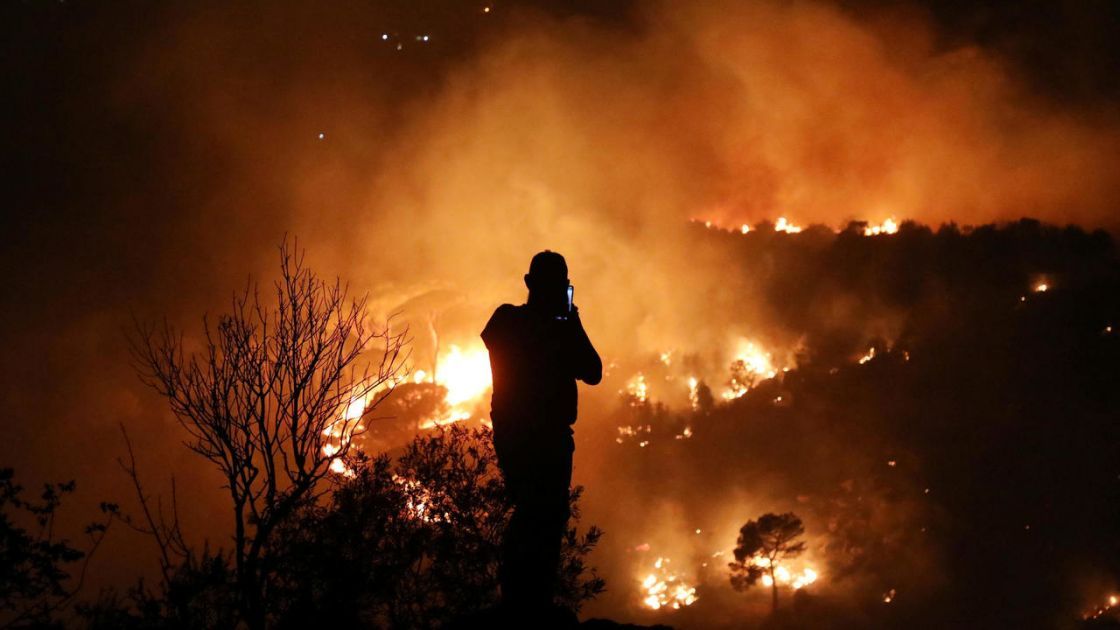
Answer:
(547, 280)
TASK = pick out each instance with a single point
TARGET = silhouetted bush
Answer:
(405, 544)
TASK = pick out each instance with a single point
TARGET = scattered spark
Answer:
(1113, 600)
(1041, 287)
(744, 228)
(888, 597)
(322, 135)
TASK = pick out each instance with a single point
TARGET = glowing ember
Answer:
(888, 597)
(886, 227)
(1041, 287)
(783, 576)
(744, 228)
(1103, 609)
(625, 432)
(785, 226)
(418, 500)
(867, 357)
(663, 589)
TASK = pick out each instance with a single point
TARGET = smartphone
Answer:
(571, 293)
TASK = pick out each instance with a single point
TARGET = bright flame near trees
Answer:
(783, 576)
(886, 227)
(785, 226)
(465, 374)
(340, 432)
(638, 389)
(751, 364)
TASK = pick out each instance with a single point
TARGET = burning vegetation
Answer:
(837, 419)
(764, 237)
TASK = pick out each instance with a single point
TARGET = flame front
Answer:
(662, 588)
(466, 376)
(886, 227)
(783, 576)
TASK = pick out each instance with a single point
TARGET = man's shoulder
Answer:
(506, 312)
(509, 309)
(503, 318)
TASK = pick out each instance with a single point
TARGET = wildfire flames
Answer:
(886, 227)
(785, 226)
(783, 576)
(465, 374)
(638, 389)
(339, 433)
(661, 588)
(750, 365)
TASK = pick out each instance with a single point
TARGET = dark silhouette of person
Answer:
(537, 351)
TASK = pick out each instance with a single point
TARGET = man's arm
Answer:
(586, 364)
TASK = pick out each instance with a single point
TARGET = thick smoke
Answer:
(191, 144)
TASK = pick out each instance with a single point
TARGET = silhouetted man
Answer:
(537, 351)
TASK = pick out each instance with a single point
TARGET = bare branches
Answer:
(275, 396)
(165, 530)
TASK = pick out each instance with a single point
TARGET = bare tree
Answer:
(273, 398)
(762, 547)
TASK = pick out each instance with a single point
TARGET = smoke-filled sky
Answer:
(156, 154)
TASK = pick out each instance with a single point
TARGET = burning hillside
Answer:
(793, 230)
(869, 425)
